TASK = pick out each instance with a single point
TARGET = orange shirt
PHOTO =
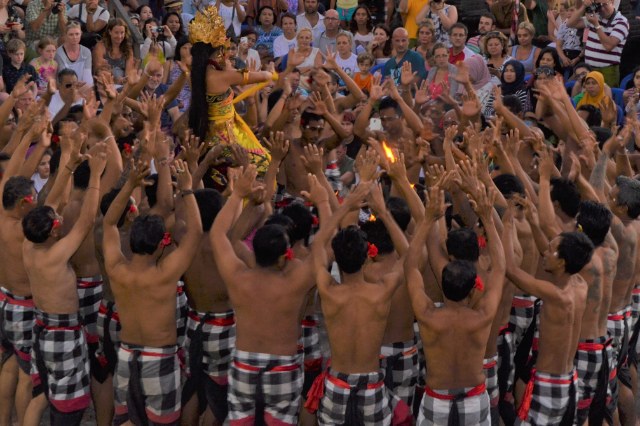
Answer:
(363, 81)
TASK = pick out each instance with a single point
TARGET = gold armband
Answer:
(274, 76)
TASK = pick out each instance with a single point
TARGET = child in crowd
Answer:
(45, 66)
(16, 68)
(363, 78)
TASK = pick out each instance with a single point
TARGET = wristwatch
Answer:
(597, 27)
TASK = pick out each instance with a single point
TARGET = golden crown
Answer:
(208, 27)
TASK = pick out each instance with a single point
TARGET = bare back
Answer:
(627, 239)
(83, 261)
(13, 275)
(204, 286)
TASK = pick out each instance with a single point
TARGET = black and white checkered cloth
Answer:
(59, 361)
(108, 325)
(588, 363)
(89, 298)
(438, 407)
(550, 399)
(182, 308)
(147, 384)
(355, 399)
(400, 364)
(490, 368)
(265, 385)
(17, 316)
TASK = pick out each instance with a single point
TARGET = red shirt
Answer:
(454, 59)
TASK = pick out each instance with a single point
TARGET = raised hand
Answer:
(483, 200)
(138, 172)
(319, 105)
(317, 193)
(239, 155)
(375, 199)
(98, 158)
(355, 199)
(423, 94)
(180, 170)
(278, 146)
(376, 89)
(330, 59)
(192, 147)
(312, 159)
(407, 76)
(367, 165)
(435, 206)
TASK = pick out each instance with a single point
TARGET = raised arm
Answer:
(413, 121)
(398, 174)
(548, 221)
(377, 204)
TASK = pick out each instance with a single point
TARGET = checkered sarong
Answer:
(617, 323)
(400, 364)
(17, 315)
(182, 308)
(89, 298)
(588, 362)
(108, 326)
(550, 396)
(438, 405)
(147, 383)
(311, 341)
(635, 313)
(490, 368)
(266, 382)
(422, 363)
(361, 395)
(522, 313)
(60, 363)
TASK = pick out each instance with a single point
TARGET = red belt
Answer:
(636, 290)
(490, 364)
(103, 310)
(521, 303)
(309, 323)
(593, 347)
(408, 352)
(26, 302)
(180, 289)
(242, 365)
(619, 317)
(221, 322)
(341, 383)
(55, 328)
(478, 390)
(88, 284)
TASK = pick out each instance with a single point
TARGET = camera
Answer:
(157, 30)
(593, 8)
(55, 9)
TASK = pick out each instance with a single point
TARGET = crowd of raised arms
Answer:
(285, 212)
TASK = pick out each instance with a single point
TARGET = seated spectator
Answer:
(503, 10)
(568, 42)
(633, 87)
(362, 77)
(549, 58)
(10, 25)
(233, 13)
(41, 176)
(73, 55)
(115, 51)
(480, 80)
(45, 65)
(173, 20)
(93, 19)
(144, 12)
(442, 73)
(494, 46)
(305, 58)
(380, 47)
(392, 68)
(594, 93)
(458, 40)
(253, 8)
(267, 30)
(245, 50)
(175, 6)
(311, 18)
(44, 18)
(67, 95)
(173, 71)
(443, 16)
(361, 26)
(345, 58)
(16, 68)
(525, 51)
(426, 41)
(512, 84)
(159, 42)
(287, 40)
(486, 24)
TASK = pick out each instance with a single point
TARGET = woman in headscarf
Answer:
(512, 83)
(480, 80)
(594, 93)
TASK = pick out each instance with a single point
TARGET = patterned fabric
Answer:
(422, 362)
(147, 384)
(522, 313)
(218, 339)
(399, 361)
(89, 298)
(490, 367)
(588, 363)
(311, 341)
(355, 399)
(48, 28)
(472, 407)
(181, 313)
(618, 326)
(17, 316)
(264, 385)
(549, 400)
(60, 364)
(108, 326)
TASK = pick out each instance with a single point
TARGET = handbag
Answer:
(231, 32)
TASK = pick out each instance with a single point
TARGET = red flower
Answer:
(479, 285)
(315, 220)
(482, 241)
(127, 148)
(372, 250)
(55, 139)
(166, 240)
(134, 209)
(28, 199)
(288, 254)
(56, 224)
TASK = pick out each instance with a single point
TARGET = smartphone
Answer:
(375, 124)
(244, 40)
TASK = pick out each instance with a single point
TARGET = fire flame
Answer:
(372, 218)
(388, 152)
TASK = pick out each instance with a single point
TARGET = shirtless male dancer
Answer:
(455, 387)
(266, 373)
(147, 380)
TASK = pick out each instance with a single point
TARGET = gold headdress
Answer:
(208, 27)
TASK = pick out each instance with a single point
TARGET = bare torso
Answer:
(13, 275)
(204, 286)
(627, 238)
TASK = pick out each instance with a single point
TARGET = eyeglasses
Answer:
(314, 128)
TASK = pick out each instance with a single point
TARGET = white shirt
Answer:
(349, 65)
(101, 14)
(303, 22)
(281, 45)
(57, 104)
(226, 12)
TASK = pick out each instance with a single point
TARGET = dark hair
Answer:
(210, 203)
(269, 243)
(81, 175)
(260, 13)
(302, 222)
(489, 15)
(566, 193)
(458, 279)
(557, 65)
(378, 234)
(594, 118)
(247, 31)
(54, 163)
(307, 116)
(509, 184)
(400, 212)
(16, 188)
(513, 104)
(350, 249)
(595, 220)
(273, 98)
(152, 20)
(198, 119)
(107, 200)
(353, 25)
(146, 233)
(151, 191)
(386, 49)
(461, 26)
(179, 35)
(181, 42)
(462, 244)
(630, 82)
(575, 249)
(388, 102)
(38, 223)
(279, 219)
(65, 72)
(629, 195)
(290, 16)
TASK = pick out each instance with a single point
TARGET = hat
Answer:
(134, 16)
(172, 3)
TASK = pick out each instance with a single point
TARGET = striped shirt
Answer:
(595, 53)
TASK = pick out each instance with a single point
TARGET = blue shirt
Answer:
(268, 38)
(393, 69)
(165, 118)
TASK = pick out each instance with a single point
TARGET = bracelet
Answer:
(66, 166)
(186, 192)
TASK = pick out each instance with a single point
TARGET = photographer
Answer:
(44, 18)
(10, 26)
(93, 19)
(159, 41)
(608, 31)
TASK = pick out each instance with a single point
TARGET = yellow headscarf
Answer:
(593, 100)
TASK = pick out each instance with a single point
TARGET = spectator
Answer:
(525, 51)
(267, 30)
(245, 50)
(608, 30)
(287, 40)
(486, 24)
(254, 6)
(346, 9)
(115, 51)
(144, 12)
(173, 71)
(233, 13)
(66, 96)
(154, 86)
(361, 27)
(45, 18)
(443, 16)
(459, 51)
(173, 20)
(393, 66)
(508, 17)
(537, 13)
(442, 73)
(380, 47)
(311, 18)
(633, 87)
(305, 57)
(549, 58)
(327, 39)
(45, 65)
(93, 19)
(345, 58)
(494, 46)
(159, 42)
(426, 41)
(41, 176)
(175, 6)
(16, 68)
(362, 77)
(568, 42)
(73, 55)
(481, 81)
(512, 84)
(10, 26)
